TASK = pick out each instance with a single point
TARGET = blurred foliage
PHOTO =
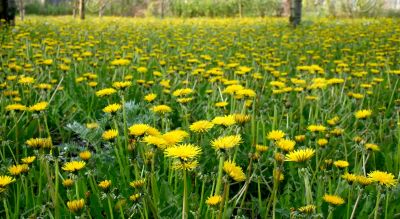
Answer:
(216, 8)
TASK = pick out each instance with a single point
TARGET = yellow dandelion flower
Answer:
(299, 138)
(322, 142)
(201, 126)
(372, 147)
(18, 169)
(74, 166)
(182, 92)
(121, 84)
(112, 108)
(349, 177)
(234, 171)
(214, 200)
(226, 142)
(221, 104)
(363, 180)
(39, 142)
(150, 97)
(175, 136)
(76, 205)
(316, 128)
(6, 180)
(261, 148)
(275, 135)
(300, 155)
(228, 120)
(363, 114)
(286, 144)
(341, 163)
(85, 155)
(138, 129)
(308, 209)
(109, 134)
(106, 92)
(105, 184)
(137, 183)
(28, 160)
(161, 109)
(68, 182)
(134, 197)
(158, 141)
(186, 165)
(39, 107)
(183, 152)
(383, 178)
(92, 125)
(16, 107)
(333, 199)
(26, 80)
(241, 118)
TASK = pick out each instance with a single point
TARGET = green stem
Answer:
(6, 208)
(378, 199)
(110, 207)
(219, 179)
(184, 205)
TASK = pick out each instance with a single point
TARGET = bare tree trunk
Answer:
(74, 7)
(103, 4)
(21, 8)
(162, 8)
(286, 7)
(7, 11)
(295, 12)
(240, 8)
(82, 9)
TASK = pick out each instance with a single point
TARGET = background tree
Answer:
(82, 9)
(7, 11)
(295, 12)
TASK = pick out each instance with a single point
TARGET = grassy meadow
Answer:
(200, 118)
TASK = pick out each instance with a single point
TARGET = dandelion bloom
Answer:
(224, 120)
(241, 118)
(134, 197)
(174, 137)
(112, 108)
(275, 135)
(322, 142)
(201, 126)
(341, 163)
(300, 155)
(372, 147)
(161, 109)
(214, 200)
(383, 178)
(76, 205)
(308, 209)
(226, 142)
(28, 160)
(68, 182)
(286, 144)
(316, 128)
(150, 97)
(105, 184)
(158, 141)
(109, 134)
(39, 142)
(333, 199)
(85, 155)
(105, 92)
(73, 166)
(261, 148)
(121, 84)
(182, 92)
(187, 165)
(234, 171)
(16, 107)
(183, 151)
(349, 177)
(39, 106)
(137, 183)
(138, 129)
(363, 114)
(5, 181)
(16, 170)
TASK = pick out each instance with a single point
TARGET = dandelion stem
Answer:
(378, 199)
(184, 206)
(355, 204)
(110, 207)
(219, 179)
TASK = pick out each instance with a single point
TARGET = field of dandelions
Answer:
(200, 118)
